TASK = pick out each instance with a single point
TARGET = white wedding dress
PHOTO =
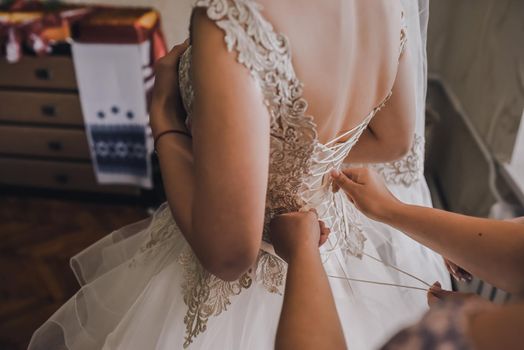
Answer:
(143, 287)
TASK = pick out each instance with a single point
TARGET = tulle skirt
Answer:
(142, 288)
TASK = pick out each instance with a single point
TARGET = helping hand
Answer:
(293, 232)
(366, 190)
(167, 111)
(436, 294)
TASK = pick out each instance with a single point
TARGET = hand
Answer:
(457, 272)
(366, 189)
(293, 232)
(436, 294)
(167, 111)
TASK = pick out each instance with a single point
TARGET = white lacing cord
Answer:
(398, 269)
(378, 283)
(387, 283)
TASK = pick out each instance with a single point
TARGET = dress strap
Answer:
(247, 33)
(403, 33)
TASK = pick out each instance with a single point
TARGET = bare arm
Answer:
(490, 249)
(174, 150)
(231, 155)
(390, 133)
(309, 318)
(215, 182)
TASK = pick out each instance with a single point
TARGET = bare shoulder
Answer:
(225, 93)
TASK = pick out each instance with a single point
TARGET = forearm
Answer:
(176, 166)
(492, 250)
(221, 255)
(309, 318)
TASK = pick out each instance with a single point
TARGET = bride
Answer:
(272, 96)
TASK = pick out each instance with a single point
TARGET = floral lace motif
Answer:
(294, 153)
(207, 295)
(184, 80)
(162, 228)
(407, 170)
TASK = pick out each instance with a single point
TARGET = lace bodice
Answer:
(299, 163)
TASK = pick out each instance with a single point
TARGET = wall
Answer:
(477, 48)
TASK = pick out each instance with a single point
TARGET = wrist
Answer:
(394, 212)
(304, 252)
(161, 119)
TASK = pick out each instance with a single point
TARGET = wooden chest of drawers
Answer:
(42, 138)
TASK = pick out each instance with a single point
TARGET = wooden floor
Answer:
(38, 235)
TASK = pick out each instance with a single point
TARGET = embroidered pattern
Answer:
(119, 149)
(407, 170)
(162, 228)
(271, 272)
(295, 155)
(205, 295)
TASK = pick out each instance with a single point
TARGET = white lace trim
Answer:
(408, 170)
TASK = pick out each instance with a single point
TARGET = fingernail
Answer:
(335, 173)
(435, 287)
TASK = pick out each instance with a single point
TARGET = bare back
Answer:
(345, 52)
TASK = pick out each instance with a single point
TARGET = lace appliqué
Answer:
(184, 80)
(162, 228)
(294, 151)
(270, 271)
(267, 56)
(407, 170)
(207, 295)
(403, 33)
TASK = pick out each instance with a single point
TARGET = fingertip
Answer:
(436, 287)
(335, 173)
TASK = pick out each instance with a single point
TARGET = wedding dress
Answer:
(143, 287)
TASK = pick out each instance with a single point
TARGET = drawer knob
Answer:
(55, 146)
(62, 179)
(42, 74)
(48, 110)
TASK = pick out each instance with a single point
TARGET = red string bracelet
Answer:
(170, 131)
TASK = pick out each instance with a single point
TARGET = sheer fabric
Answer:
(143, 288)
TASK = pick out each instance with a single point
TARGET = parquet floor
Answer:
(38, 235)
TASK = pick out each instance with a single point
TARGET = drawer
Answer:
(55, 175)
(44, 142)
(50, 72)
(40, 108)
